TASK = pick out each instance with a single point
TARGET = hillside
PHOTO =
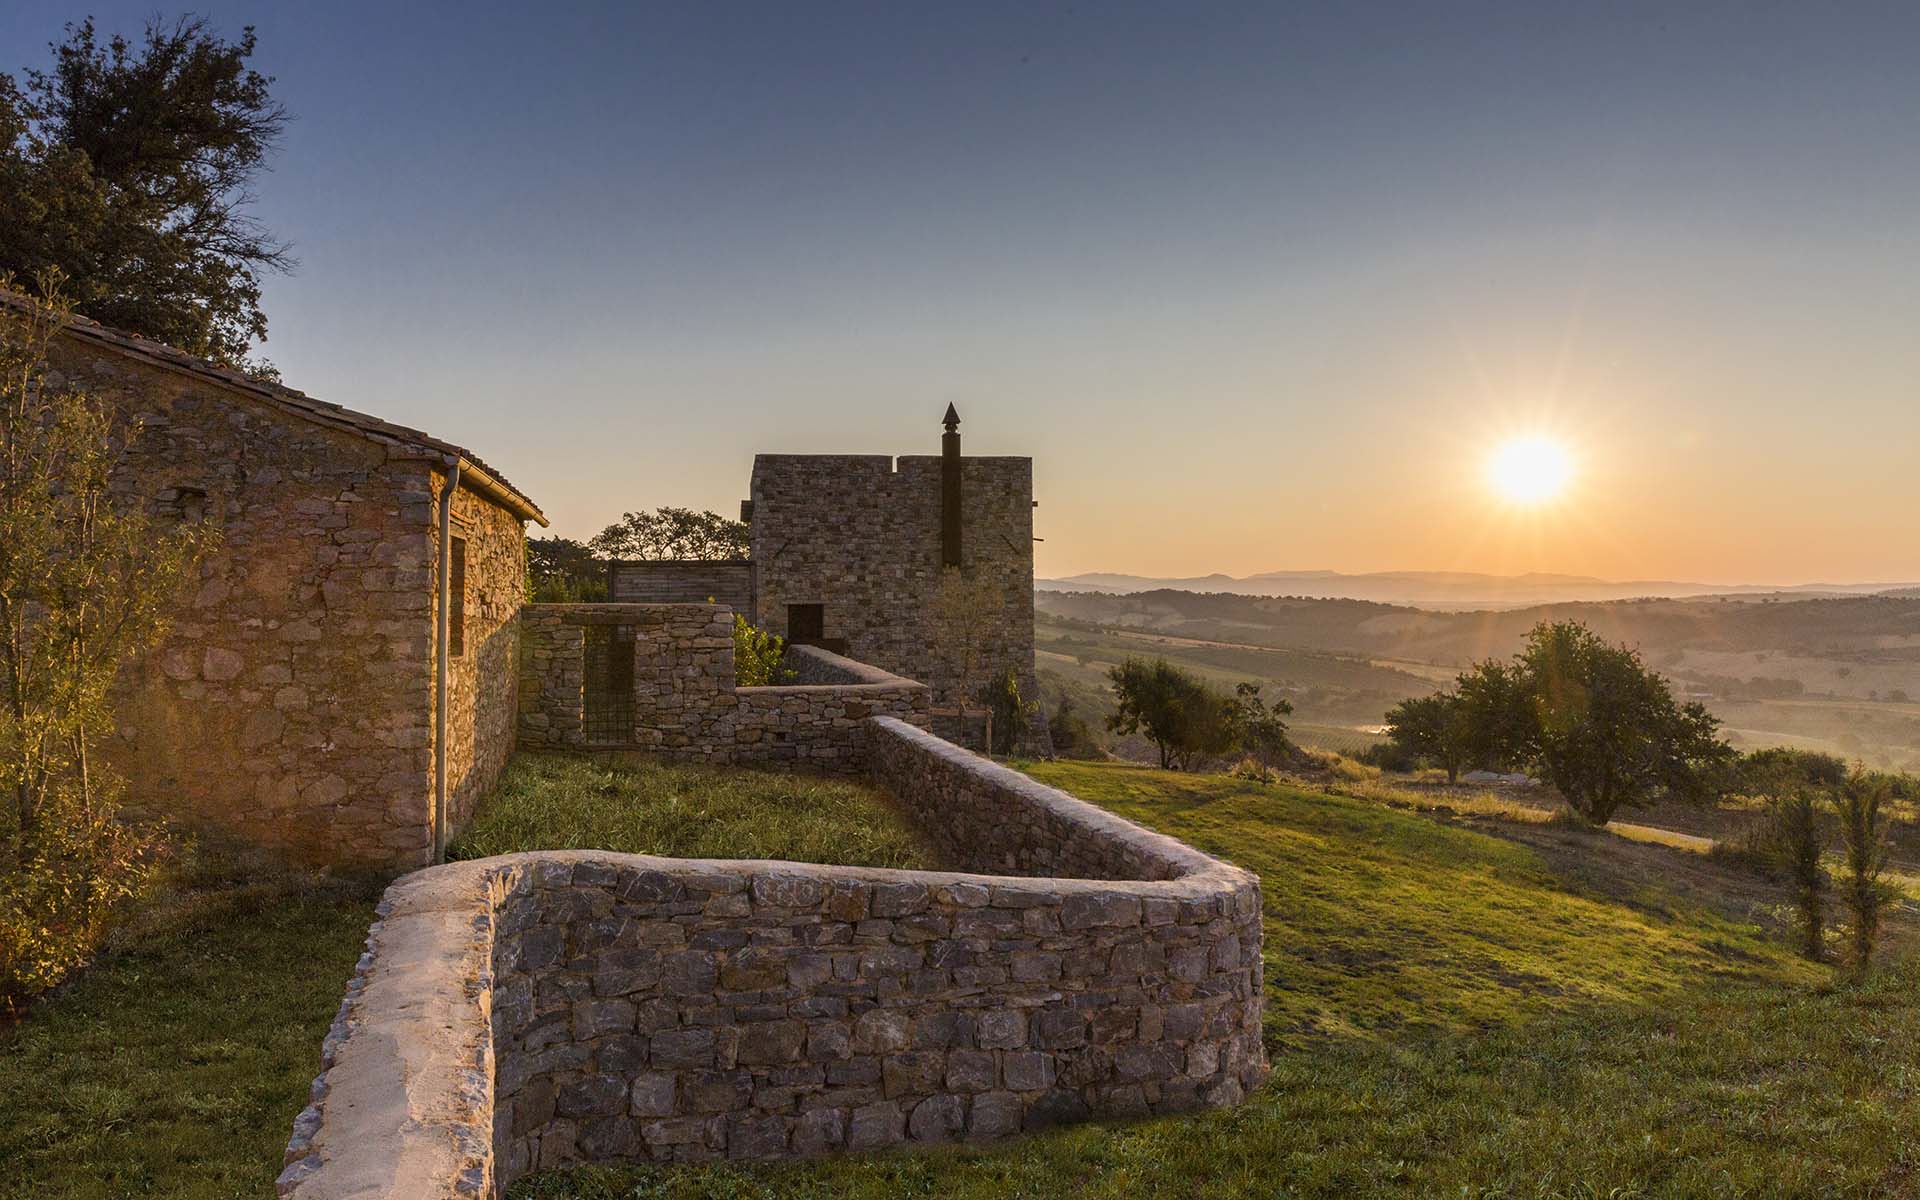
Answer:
(1836, 674)
(1458, 1010)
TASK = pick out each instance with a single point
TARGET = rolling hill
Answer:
(1451, 590)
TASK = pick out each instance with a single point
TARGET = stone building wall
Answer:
(291, 701)
(483, 693)
(685, 702)
(860, 535)
(727, 581)
(579, 1006)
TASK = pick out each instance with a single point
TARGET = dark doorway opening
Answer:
(607, 690)
(806, 624)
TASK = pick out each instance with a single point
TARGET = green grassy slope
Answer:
(175, 1066)
(1456, 1014)
(639, 806)
(1378, 920)
(1450, 1013)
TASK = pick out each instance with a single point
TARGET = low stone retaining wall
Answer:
(685, 704)
(534, 1011)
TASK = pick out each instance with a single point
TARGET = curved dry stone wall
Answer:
(535, 1011)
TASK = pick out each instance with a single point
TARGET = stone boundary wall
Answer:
(685, 702)
(535, 1011)
(681, 581)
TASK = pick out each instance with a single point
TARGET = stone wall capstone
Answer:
(536, 1011)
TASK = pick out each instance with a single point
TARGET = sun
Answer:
(1531, 469)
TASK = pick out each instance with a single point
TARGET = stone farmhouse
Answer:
(366, 570)
(295, 700)
(356, 663)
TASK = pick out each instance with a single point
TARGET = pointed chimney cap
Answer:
(951, 420)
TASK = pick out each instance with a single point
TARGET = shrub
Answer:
(1391, 756)
(1008, 714)
(759, 657)
(83, 587)
(1348, 771)
(1072, 736)
(1253, 770)
(1863, 834)
(1777, 768)
(1791, 840)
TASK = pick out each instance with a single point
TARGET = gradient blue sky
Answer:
(1258, 287)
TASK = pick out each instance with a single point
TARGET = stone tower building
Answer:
(849, 549)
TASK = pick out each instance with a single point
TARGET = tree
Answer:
(672, 533)
(964, 607)
(128, 167)
(563, 571)
(1259, 728)
(1183, 717)
(1499, 712)
(1435, 728)
(83, 587)
(1606, 731)
(1859, 803)
(1791, 840)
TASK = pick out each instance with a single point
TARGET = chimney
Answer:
(950, 490)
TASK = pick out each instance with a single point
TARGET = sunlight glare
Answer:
(1530, 469)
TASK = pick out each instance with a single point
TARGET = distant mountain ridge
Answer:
(1447, 589)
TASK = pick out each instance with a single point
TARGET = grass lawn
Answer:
(631, 804)
(1547, 1013)
(1552, 1014)
(175, 1065)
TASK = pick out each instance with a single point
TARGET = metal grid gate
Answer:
(607, 699)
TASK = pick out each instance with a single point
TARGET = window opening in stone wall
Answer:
(806, 624)
(607, 700)
(184, 504)
(457, 600)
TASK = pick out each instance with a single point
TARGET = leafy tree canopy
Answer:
(562, 571)
(1434, 728)
(128, 166)
(672, 533)
(1602, 728)
(1183, 717)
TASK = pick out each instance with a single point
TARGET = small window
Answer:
(806, 623)
(184, 504)
(457, 600)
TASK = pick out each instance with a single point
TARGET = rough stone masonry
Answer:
(535, 1011)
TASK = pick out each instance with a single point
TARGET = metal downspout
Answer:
(440, 668)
